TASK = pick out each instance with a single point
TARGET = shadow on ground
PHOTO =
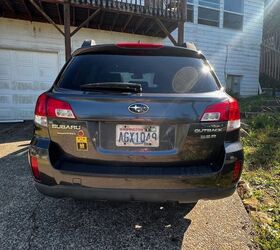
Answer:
(13, 132)
(29, 220)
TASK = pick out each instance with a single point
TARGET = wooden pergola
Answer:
(144, 17)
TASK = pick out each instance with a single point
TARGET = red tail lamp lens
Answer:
(237, 170)
(223, 111)
(216, 112)
(34, 167)
(234, 111)
(59, 109)
(47, 106)
(40, 108)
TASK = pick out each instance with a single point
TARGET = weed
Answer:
(262, 171)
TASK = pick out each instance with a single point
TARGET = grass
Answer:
(262, 171)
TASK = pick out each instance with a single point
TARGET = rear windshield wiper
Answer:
(113, 86)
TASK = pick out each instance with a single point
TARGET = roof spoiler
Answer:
(190, 45)
(88, 43)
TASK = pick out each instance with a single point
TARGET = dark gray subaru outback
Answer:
(135, 121)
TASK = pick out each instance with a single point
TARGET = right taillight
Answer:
(223, 111)
(234, 115)
(47, 106)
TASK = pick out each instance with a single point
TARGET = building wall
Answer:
(232, 51)
(35, 36)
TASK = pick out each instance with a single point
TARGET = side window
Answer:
(209, 12)
(233, 14)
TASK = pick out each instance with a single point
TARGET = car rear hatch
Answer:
(124, 128)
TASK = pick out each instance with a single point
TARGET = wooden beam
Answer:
(46, 16)
(160, 31)
(88, 14)
(127, 23)
(139, 24)
(74, 16)
(67, 37)
(53, 1)
(115, 20)
(9, 5)
(94, 14)
(58, 13)
(101, 19)
(26, 9)
(166, 32)
(150, 27)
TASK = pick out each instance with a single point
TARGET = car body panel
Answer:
(81, 158)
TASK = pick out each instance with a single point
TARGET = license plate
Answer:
(137, 136)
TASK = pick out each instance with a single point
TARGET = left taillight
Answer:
(41, 110)
(34, 167)
(48, 107)
(59, 109)
(223, 111)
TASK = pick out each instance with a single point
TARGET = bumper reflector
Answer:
(237, 171)
(34, 167)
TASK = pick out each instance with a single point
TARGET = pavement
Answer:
(29, 220)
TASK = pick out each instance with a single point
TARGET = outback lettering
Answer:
(208, 130)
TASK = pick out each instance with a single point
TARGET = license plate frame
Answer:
(132, 136)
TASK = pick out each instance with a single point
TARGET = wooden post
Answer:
(166, 32)
(67, 36)
(181, 23)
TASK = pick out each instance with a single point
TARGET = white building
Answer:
(228, 32)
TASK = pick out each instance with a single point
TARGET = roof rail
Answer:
(88, 43)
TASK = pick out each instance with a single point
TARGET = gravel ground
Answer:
(28, 220)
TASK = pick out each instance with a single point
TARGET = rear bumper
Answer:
(177, 195)
(113, 183)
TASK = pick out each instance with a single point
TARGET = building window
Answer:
(233, 84)
(209, 12)
(233, 14)
(215, 4)
(190, 12)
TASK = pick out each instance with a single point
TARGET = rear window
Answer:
(156, 74)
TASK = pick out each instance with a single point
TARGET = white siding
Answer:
(35, 36)
(23, 76)
(243, 46)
